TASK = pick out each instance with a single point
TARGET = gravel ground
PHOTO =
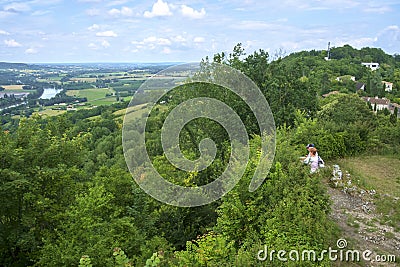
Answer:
(355, 213)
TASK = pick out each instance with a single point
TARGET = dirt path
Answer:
(356, 215)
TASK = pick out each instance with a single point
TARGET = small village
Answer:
(376, 103)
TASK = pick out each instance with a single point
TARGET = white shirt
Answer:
(313, 161)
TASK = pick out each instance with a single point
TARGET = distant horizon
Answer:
(172, 62)
(99, 63)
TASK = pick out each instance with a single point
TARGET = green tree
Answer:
(393, 116)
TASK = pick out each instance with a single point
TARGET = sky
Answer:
(74, 31)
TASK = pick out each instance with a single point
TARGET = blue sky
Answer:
(188, 30)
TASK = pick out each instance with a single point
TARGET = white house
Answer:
(372, 66)
(341, 78)
(388, 86)
(378, 103)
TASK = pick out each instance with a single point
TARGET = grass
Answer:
(103, 101)
(390, 208)
(352, 222)
(389, 235)
(92, 94)
(136, 78)
(135, 113)
(50, 112)
(84, 79)
(381, 173)
(135, 109)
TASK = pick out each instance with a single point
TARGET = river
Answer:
(49, 93)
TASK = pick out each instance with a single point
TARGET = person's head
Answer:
(310, 146)
(312, 150)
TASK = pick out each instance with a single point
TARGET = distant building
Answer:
(388, 86)
(360, 86)
(372, 66)
(341, 78)
(378, 103)
(71, 107)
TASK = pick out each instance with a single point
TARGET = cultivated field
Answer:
(13, 87)
(135, 111)
(89, 80)
(91, 94)
(50, 112)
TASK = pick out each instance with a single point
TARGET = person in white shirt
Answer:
(308, 148)
(312, 159)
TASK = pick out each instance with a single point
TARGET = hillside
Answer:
(69, 197)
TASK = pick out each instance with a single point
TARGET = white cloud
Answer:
(389, 38)
(356, 42)
(2, 32)
(4, 14)
(41, 12)
(93, 46)
(152, 42)
(160, 9)
(94, 27)
(191, 13)
(12, 43)
(114, 12)
(249, 44)
(105, 44)
(393, 27)
(179, 39)
(166, 50)
(378, 10)
(157, 41)
(253, 25)
(322, 5)
(16, 7)
(117, 2)
(124, 11)
(31, 51)
(314, 31)
(90, 1)
(106, 34)
(99, 45)
(291, 46)
(362, 42)
(44, 2)
(93, 12)
(199, 40)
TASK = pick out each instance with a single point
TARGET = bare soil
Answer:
(355, 213)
